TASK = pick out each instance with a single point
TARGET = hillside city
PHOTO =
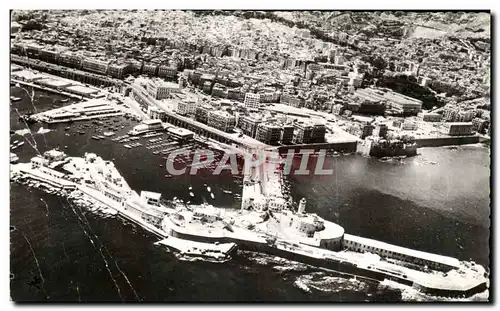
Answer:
(276, 78)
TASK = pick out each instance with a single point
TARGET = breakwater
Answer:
(449, 141)
(344, 147)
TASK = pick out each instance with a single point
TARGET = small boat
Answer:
(212, 195)
(65, 100)
(67, 128)
(101, 137)
(95, 137)
(191, 194)
(13, 158)
(227, 191)
(81, 132)
(190, 188)
(18, 85)
(15, 99)
(127, 146)
(209, 189)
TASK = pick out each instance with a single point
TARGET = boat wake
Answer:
(41, 130)
(22, 132)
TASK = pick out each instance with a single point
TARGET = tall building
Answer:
(167, 72)
(361, 131)
(380, 130)
(119, 70)
(292, 100)
(331, 56)
(234, 94)
(248, 125)
(160, 89)
(338, 109)
(156, 113)
(150, 69)
(70, 59)
(452, 114)
(286, 134)
(186, 107)
(221, 120)
(207, 86)
(268, 133)
(303, 133)
(318, 133)
(201, 113)
(424, 81)
(430, 116)
(32, 50)
(95, 65)
(48, 55)
(290, 63)
(252, 100)
(219, 91)
(457, 128)
(479, 125)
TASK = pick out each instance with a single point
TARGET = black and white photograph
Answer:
(222, 155)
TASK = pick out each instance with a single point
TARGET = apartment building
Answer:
(221, 120)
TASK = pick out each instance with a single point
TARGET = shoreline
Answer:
(46, 89)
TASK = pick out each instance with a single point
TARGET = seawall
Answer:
(369, 148)
(340, 266)
(449, 141)
(345, 147)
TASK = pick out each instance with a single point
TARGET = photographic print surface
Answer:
(249, 156)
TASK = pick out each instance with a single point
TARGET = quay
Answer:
(48, 89)
(91, 109)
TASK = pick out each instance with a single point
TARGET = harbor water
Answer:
(437, 202)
